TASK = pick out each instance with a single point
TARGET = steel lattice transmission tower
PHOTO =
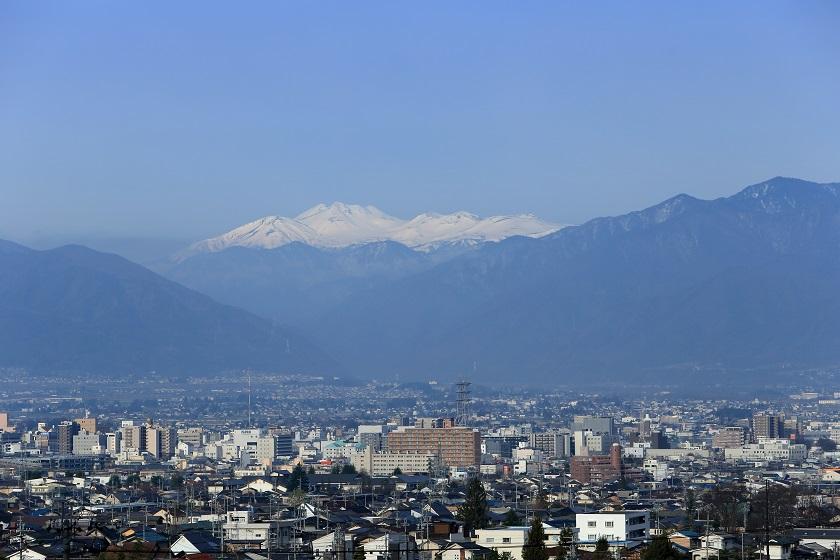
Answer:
(462, 417)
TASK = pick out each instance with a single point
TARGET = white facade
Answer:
(768, 449)
(616, 526)
(384, 463)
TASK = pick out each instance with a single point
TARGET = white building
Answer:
(383, 463)
(656, 469)
(512, 539)
(768, 449)
(241, 531)
(88, 444)
(618, 527)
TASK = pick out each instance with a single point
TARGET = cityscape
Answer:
(420, 280)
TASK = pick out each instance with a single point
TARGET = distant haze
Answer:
(175, 122)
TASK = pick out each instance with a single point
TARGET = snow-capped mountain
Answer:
(342, 225)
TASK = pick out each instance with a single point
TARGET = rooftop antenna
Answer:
(463, 403)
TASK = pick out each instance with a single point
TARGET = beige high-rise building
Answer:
(4, 421)
(455, 446)
(87, 424)
(731, 437)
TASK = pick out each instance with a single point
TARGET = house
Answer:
(332, 546)
(686, 540)
(618, 527)
(194, 542)
(720, 541)
(463, 550)
(782, 547)
(503, 539)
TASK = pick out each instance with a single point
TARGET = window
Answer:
(592, 524)
(591, 537)
(505, 539)
(608, 524)
(490, 539)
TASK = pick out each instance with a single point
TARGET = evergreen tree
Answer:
(114, 481)
(397, 471)
(660, 549)
(534, 548)
(511, 519)
(473, 512)
(348, 469)
(602, 544)
(298, 479)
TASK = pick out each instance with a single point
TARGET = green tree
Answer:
(359, 552)
(348, 469)
(298, 479)
(511, 519)
(602, 545)
(397, 471)
(156, 480)
(534, 548)
(132, 479)
(473, 512)
(690, 506)
(660, 549)
(567, 538)
(176, 481)
(114, 481)
(336, 469)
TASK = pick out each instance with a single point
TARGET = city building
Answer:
(618, 527)
(454, 446)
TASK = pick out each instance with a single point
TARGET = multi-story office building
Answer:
(85, 443)
(454, 446)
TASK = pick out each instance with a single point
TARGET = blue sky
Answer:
(183, 119)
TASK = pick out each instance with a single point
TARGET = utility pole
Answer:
(767, 518)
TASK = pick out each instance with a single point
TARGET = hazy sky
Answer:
(183, 119)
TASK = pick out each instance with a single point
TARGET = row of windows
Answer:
(595, 524)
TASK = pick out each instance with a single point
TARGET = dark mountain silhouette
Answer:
(73, 309)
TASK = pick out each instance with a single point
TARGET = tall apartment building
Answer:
(133, 436)
(161, 441)
(192, 436)
(113, 442)
(455, 446)
(731, 437)
(66, 431)
(553, 444)
(769, 426)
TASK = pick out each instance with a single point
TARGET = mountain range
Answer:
(76, 310)
(734, 287)
(342, 225)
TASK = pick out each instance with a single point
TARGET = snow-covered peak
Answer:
(339, 224)
(342, 225)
